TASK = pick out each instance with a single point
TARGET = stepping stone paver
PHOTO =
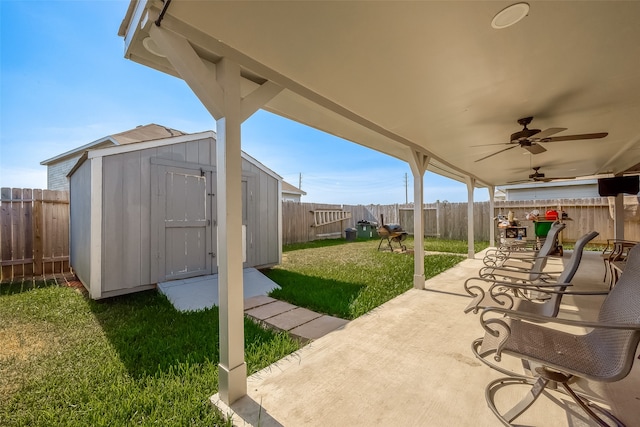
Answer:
(318, 327)
(266, 311)
(292, 319)
(257, 301)
(299, 322)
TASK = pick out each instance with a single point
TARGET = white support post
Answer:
(218, 88)
(618, 222)
(418, 164)
(492, 208)
(471, 252)
(232, 367)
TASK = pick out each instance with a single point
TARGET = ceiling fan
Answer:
(537, 176)
(530, 139)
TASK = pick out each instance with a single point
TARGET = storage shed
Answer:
(146, 213)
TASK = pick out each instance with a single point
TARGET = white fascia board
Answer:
(79, 150)
(132, 22)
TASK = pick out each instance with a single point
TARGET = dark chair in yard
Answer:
(604, 354)
(541, 298)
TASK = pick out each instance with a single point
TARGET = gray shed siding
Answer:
(80, 222)
(128, 226)
(262, 217)
(126, 199)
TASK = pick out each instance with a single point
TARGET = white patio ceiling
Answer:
(432, 76)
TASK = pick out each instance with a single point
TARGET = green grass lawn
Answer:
(68, 361)
(349, 279)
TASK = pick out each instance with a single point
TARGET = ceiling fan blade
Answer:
(547, 133)
(488, 145)
(576, 137)
(520, 181)
(497, 152)
(534, 148)
(560, 177)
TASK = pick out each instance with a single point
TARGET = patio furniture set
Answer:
(519, 305)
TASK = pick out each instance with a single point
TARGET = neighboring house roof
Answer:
(290, 189)
(148, 132)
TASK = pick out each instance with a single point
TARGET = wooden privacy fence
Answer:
(34, 232)
(34, 224)
(300, 220)
(449, 220)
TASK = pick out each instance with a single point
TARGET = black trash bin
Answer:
(350, 234)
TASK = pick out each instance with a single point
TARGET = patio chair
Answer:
(615, 251)
(500, 256)
(525, 270)
(531, 297)
(604, 354)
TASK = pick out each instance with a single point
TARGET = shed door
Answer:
(184, 222)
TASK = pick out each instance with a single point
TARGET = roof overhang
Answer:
(432, 77)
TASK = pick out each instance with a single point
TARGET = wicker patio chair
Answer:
(605, 354)
(501, 256)
(529, 296)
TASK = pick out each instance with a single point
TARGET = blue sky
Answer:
(65, 83)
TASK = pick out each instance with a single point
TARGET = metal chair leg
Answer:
(539, 384)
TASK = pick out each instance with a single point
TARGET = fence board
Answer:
(5, 231)
(37, 232)
(27, 194)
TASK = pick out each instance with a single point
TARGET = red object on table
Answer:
(551, 214)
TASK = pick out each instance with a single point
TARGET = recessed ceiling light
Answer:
(510, 15)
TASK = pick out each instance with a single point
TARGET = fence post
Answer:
(27, 194)
(37, 233)
(5, 231)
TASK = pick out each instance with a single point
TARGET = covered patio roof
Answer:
(432, 76)
(430, 83)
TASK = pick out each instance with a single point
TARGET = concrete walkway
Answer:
(301, 323)
(199, 293)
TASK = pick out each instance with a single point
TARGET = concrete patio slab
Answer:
(409, 363)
